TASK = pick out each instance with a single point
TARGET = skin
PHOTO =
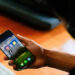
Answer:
(36, 50)
(44, 57)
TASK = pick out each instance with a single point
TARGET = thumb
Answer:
(23, 39)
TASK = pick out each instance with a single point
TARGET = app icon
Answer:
(25, 61)
(14, 42)
(29, 59)
(22, 64)
(7, 48)
(10, 45)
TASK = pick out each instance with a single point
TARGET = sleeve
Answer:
(72, 72)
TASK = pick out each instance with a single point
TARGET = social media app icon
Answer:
(25, 61)
(22, 64)
(10, 45)
(29, 59)
(7, 48)
(14, 42)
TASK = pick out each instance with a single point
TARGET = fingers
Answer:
(23, 39)
(11, 62)
(14, 66)
(5, 58)
(24, 44)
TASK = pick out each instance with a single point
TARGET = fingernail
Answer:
(14, 66)
(18, 34)
(10, 63)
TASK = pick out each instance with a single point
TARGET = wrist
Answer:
(45, 56)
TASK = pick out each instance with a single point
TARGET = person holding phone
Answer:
(44, 57)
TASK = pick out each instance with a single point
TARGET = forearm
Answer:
(59, 60)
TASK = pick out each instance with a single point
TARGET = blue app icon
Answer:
(10, 45)
(29, 59)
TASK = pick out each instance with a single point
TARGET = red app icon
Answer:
(7, 48)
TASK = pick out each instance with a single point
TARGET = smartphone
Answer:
(15, 50)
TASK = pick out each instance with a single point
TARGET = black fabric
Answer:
(66, 8)
(72, 72)
(61, 6)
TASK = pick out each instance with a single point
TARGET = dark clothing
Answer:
(72, 72)
(66, 8)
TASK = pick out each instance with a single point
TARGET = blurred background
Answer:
(53, 17)
(41, 14)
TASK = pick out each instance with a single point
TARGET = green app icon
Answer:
(25, 61)
(22, 64)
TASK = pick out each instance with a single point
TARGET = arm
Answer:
(45, 57)
(59, 60)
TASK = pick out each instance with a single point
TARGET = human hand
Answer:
(35, 49)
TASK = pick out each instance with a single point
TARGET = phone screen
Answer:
(15, 50)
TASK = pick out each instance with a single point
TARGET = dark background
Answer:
(66, 8)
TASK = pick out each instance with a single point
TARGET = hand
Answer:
(35, 49)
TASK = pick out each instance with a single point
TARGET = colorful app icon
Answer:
(25, 61)
(29, 59)
(10, 45)
(7, 48)
(14, 42)
(22, 64)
